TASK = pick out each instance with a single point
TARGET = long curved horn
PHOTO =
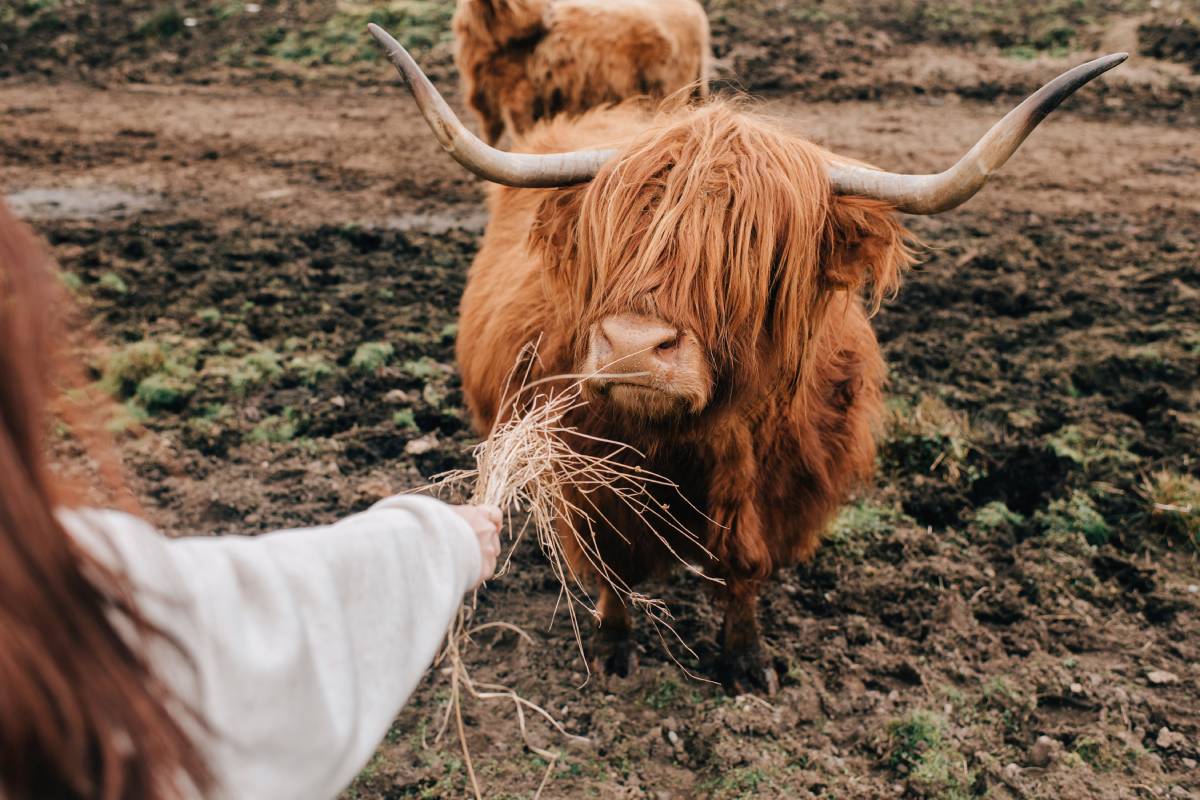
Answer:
(525, 170)
(933, 194)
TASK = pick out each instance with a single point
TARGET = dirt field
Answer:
(273, 248)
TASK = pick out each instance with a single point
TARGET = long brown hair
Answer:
(82, 715)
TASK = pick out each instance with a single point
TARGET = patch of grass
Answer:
(311, 369)
(127, 367)
(861, 521)
(666, 693)
(404, 420)
(929, 436)
(1096, 753)
(739, 783)
(342, 39)
(112, 283)
(1075, 515)
(277, 428)
(423, 369)
(164, 392)
(1174, 504)
(996, 516)
(70, 280)
(1090, 449)
(209, 316)
(253, 371)
(1013, 707)
(370, 357)
(151, 375)
(919, 750)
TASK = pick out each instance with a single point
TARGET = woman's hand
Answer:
(485, 521)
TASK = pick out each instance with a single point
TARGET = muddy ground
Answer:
(273, 248)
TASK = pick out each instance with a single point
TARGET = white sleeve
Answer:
(305, 643)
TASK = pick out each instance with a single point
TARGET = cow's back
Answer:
(527, 60)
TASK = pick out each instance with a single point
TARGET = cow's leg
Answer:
(744, 666)
(614, 652)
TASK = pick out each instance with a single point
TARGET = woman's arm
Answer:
(305, 643)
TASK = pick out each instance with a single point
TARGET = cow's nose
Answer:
(634, 343)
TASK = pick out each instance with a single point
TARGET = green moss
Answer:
(742, 782)
(70, 280)
(255, 370)
(404, 420)
(1075, 514)
(861, 521)
(112, 283)
(209, 316)
(164, 392)
(1099, 754)
(423, 369)
(1090, 449)
(130, 365)
(664, 694)
(341, 38)
(370, 357)
(311, 369)
(154, 376)
(918, 748)
(277, 428)
(997, 516)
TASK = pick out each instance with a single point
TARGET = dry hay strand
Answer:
(527, 464)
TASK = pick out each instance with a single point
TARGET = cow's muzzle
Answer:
(645, 364)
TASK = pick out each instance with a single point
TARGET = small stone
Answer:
(1160, 677)
(338, 401)
(1076, 688)
(1044, 751)
(190, 22)
(673, 738)
(398, 397)
(1190, 763)
(421, 445)
(1168, 739)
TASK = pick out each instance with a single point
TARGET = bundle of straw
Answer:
(527, 465)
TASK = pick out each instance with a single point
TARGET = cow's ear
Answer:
(865, 246)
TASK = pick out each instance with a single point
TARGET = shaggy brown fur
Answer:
(722, 225)
(526, 60)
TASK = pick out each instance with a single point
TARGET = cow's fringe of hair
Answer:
(527, 465)
(725, 226)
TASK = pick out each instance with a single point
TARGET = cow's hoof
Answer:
(617, 658)
(748, 673)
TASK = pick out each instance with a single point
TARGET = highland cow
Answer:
(526, 60)
(717, 265)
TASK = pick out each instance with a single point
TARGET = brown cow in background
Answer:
(718, 264)
(526, 60)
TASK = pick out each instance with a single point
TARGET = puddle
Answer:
(80, 203)
(438, 222)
